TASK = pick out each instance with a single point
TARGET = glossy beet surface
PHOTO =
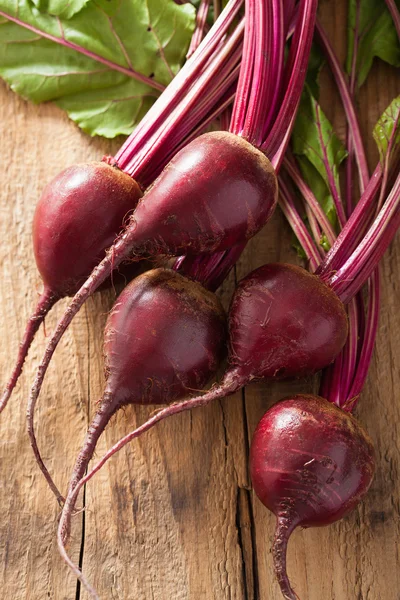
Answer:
(78, 217)
(217, 191)
(310, 463)
(164, 338)
(284, 322)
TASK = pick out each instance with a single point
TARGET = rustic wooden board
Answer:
(172, 516)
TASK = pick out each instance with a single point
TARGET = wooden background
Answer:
(173, 515)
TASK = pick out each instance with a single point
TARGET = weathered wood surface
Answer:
(173, 515)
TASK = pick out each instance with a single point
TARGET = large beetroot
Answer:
(78, 216)
(311, 463)
(164, 338)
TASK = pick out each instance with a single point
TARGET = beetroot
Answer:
(164, 338)
(77, 218)
(310, 463)
(284, 322)
(217, 191)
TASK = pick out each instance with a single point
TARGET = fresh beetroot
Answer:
(164, 338)
(78, 216)
(284, 322)
(310, 463)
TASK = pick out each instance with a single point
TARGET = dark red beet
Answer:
(164, 338)
(78, 216)
(310, 463)
(293, 326)
(217, 191)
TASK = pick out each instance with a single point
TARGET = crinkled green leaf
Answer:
(371, 21)
(319, 187)
(298, 248)
(388, 127)
(315, 142)
(61, 8)
(315, 64)
(147, 36)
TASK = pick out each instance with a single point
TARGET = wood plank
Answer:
(173, 515)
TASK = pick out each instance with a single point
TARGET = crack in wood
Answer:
(82, 544)
(246, 540)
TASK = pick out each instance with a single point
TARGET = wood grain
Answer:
(173, 515)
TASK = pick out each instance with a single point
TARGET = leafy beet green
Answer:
(60, 8)
(105, 65)
(371, 33)
(316, 147)
(384, 130)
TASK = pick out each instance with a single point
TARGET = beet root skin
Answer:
(285, 322)
(317, 449)
(164, 339)
(217, 191)
(310, 463)
(77, 218)
(79, 215)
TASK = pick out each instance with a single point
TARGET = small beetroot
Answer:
(310, 463)
(164, 338)
(78, 216)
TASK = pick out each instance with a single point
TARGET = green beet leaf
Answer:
(372, 32)
(317, 147)
(150, 38)
(387, 130)
(60, 8)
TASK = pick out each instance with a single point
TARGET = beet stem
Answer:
(46, 302)
(285, 526)
(229, 385)
(98, 275)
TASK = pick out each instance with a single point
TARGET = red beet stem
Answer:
(96, 428)
(231, 382)
(46, 302)
(285, 525)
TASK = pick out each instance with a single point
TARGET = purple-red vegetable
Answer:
(77, 218)
(310, 463)
(164, 338)
(284, 322)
